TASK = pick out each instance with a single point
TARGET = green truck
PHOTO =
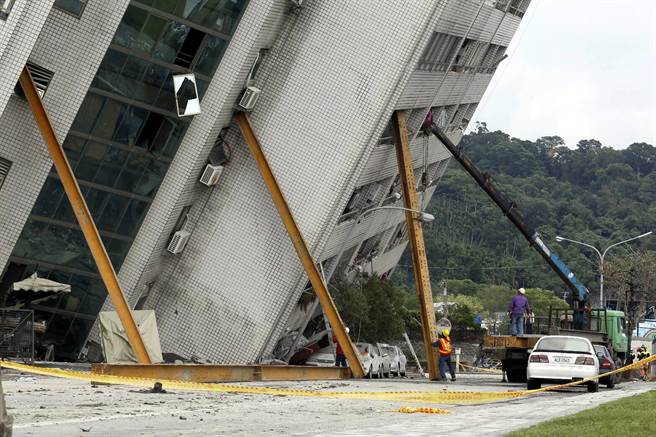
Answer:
(600, 326)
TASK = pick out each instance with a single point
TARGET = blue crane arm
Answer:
(582, 293)
(512, 212)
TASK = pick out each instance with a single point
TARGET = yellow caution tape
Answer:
(438, 397)
(426, 410)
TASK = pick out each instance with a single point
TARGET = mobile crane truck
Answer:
(600, 326)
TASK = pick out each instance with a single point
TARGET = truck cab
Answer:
(600, 326)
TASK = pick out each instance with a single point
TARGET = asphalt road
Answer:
(44, 406)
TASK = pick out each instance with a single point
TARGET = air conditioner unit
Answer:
(249, 98)
(211, 175)
(178, 241)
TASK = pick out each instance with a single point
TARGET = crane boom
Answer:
(510, 210)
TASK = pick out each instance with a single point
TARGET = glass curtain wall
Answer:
(120, 146)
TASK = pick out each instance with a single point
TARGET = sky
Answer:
(579, 69)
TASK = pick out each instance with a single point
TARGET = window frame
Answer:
(83, 5)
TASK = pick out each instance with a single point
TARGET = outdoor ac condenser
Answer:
(178, 241)
(249, 98)
(211, 175)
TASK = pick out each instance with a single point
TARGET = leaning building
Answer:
(329, 75)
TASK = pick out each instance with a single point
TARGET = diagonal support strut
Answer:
(84, 218)
(302, 250)
(416, 235)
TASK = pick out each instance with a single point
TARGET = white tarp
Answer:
(114, 341)
(34, 283)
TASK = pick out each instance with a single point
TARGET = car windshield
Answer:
(601, 350)
(563, 344)
(362, 347)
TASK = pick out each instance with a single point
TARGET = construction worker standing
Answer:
(517, 310)
(644, 369)
(444, 347)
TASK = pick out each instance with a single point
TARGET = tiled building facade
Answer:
(331, 74)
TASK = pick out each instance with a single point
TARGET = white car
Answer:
(558, 359)
(322, 358)
(399, 361)
(386, 352)
(371, 360)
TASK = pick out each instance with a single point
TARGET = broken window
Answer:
(190, 48)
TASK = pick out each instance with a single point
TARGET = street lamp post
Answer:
(422, 216)
(602, 255)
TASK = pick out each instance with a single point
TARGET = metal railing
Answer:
(17, 334)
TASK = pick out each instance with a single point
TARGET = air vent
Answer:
(211, 174)
(41, 78)
(249, 98)
(5, 8)
(178, 241)
(5, 165)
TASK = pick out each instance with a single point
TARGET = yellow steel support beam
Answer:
(301, 248)
(416, 235)
(84, 218)
(222, 373)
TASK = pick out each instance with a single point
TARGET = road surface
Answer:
(45, 406)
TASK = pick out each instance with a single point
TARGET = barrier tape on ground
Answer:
(437, 397)
(426, 410)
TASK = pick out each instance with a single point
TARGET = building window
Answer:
(439, 51)
(5, 165)
(73, 7)
(515, 7)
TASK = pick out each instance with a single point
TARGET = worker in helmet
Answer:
(644, 369)
(517, 311)
(340, 358)
(444, 347)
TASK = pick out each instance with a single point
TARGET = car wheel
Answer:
(533, 384)
(611, 382)
(593, 386)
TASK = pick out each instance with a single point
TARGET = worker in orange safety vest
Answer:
(444, 347)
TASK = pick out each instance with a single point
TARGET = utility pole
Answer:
(630, 306)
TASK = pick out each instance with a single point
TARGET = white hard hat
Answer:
(347, 330)
(522, 290)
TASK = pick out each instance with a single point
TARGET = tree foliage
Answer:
(592, 193)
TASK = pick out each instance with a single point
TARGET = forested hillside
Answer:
(592, 193)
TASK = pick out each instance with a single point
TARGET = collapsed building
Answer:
(178, 200)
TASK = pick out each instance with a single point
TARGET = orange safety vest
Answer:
(444, 346)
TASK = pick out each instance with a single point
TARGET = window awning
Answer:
(34, 283)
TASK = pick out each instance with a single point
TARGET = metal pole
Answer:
(602, 256)
(302, 250)
(84, 218)
(416, 234)
(601, 284)
(414, 354)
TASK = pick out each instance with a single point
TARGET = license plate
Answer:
(561, 359)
